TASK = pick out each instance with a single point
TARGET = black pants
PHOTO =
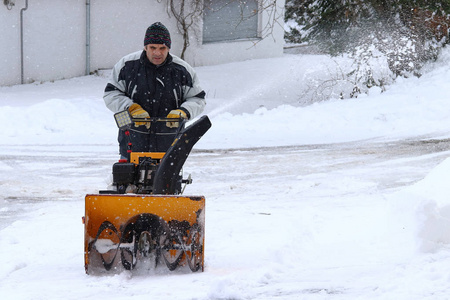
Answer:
(156, 139)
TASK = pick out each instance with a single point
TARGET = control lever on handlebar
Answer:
(125, 120)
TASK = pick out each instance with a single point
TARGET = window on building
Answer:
(225, 20)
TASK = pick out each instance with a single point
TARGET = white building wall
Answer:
(54, 42)
(9, 46)
(118, 28)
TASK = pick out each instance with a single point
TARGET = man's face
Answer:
(156, 53)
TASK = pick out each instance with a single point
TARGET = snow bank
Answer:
(57, 121)
(421, 213)
(410, 108)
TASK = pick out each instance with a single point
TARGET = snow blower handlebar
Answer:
(125, 120)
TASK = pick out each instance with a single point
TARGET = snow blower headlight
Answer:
(123, 119)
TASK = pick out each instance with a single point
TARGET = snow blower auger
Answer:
(145, 220)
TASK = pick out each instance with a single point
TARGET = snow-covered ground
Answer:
(342, 199)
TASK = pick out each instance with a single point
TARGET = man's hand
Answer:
(176, 113)
(137, 111)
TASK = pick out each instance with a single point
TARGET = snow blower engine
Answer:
(144, 221)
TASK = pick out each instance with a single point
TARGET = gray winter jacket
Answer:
(158, 89)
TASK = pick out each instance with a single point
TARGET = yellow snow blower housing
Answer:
(145, 220)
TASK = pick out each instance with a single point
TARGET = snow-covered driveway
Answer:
(299, 222)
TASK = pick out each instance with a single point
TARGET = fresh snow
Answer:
(339, 199)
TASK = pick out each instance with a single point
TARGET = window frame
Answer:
(253, 23)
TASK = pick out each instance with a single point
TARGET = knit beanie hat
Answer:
(157, 33)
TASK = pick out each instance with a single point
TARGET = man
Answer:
(153, 83)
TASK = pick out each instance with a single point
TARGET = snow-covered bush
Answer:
(402, 35)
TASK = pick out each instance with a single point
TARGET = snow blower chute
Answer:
(146, 219)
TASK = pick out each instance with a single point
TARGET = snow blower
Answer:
(145, 219)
